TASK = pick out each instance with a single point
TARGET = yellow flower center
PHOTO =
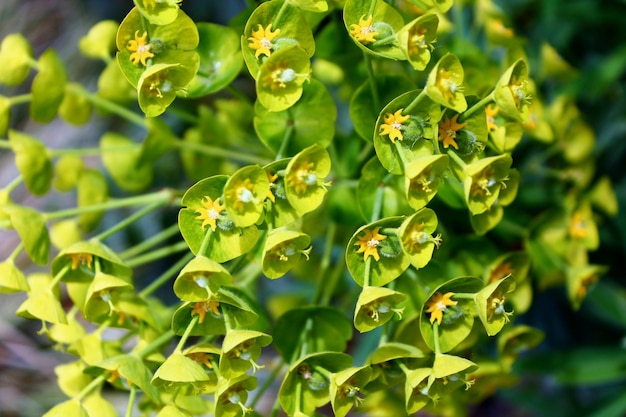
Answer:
(364, 32)
(210, 212)
(302, 177)
(261, 40)
(140, 49)
(368, 243)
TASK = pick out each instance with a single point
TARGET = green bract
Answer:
(375, 307)
(283, 249)
(416, 238)
(304, 179)
(48, 87)
(311, 120)
(31, 158)
(422, 177)
(381, 258)
(103, 296)
(200, 279)
(278, 211)
(281, 77)
(178, 370)
(490, 304)
(511, 92)
(273, 26)
(76, 262)
(15, 58)
(240, 350)
(99, 42)
(220, 59)
(374, 32)
(484, 180)
(444, 84)
(345, 389)
(416, 40)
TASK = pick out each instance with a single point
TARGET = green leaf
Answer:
(75, 108)
(392, 260)
(374, 179)
(345, 386)
(96, 405)
(179, 370)
(5, 114)
(281, 78)
(67, 171)
(134, 371)
(290, 26)
(31, 227)
(15, 56)
(490, 304)
(48, 87)
(422, 178)
(326, 329)
(92, 189)
(240, 350)
(69, 408)
(311, 120)
(416, 238)
(447, 365)
(444, 84)
(33, 162)
(99, 42)
(11, 278)
(220, 59)
(120, 157)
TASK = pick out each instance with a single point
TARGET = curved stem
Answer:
(372, 80)
(456, 158)
(107, 105)
(165, 276)
(130, 219)
(131, 401)
(185, 336)
(111, 204)
(482, 103)
(22, 98)
(378, 203)
(216, 151)
(157, 254)
(57, 278)
(416, 101)
(16, 252)
(286, 138)
(92, 385)
(156, 343)
(150, 243)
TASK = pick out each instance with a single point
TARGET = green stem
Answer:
(156, 343)
(206, 242)
(92, 385)
(463, 295)
(378, 203)
(276, 407)
(416, 101)
(266, 385)
(367, 272)
(238, 94)
(111, 204)
(157, 254)
(370, 12)
(404, 368)
(16, 252)
(372, 81)
(227, 323)
(110, 106)
(22, 98)
(216, 151)
(5, 144)
(286, 138)
(130, 219)
(277, 18)
(185, 336)
(436, 338)
(303, 341)
(150, 243)
(131, 401)
(325, 263)
(401, 155)
(456, 158)
(384, 41)
(335, 277)
(57, 278)
(53, 153)
(165, 276)
(482, 103)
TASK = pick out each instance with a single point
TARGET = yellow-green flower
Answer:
(437, 304)
(448, 130)
(261, 40)
(577, 226)
(241, 194)
(369, 242)
(447, 84)
(393, 125)
(363, 32)
(210, 212)
(140, 49)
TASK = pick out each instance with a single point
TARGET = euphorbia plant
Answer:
(363, 99)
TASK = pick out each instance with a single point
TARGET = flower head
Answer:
(447, 84)
(202, 307)
(448, 130)
(491, 111)
(241, 194)
(363, 32)
(261, 40)
(210, 212)
(393, 125)
(369, 242)
(140, 49)
(437, 304)
(302, 176)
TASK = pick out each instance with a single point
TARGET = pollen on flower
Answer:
(79, 259)
(368, 243)
(448, 131)
(437, 304)
(241, 194)
(202, 307)
(140, 49)
(302, 176)
(210, 212)
(392, 125)
(261, 40)
(447, 85)
(491, 111)
(364, 32)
